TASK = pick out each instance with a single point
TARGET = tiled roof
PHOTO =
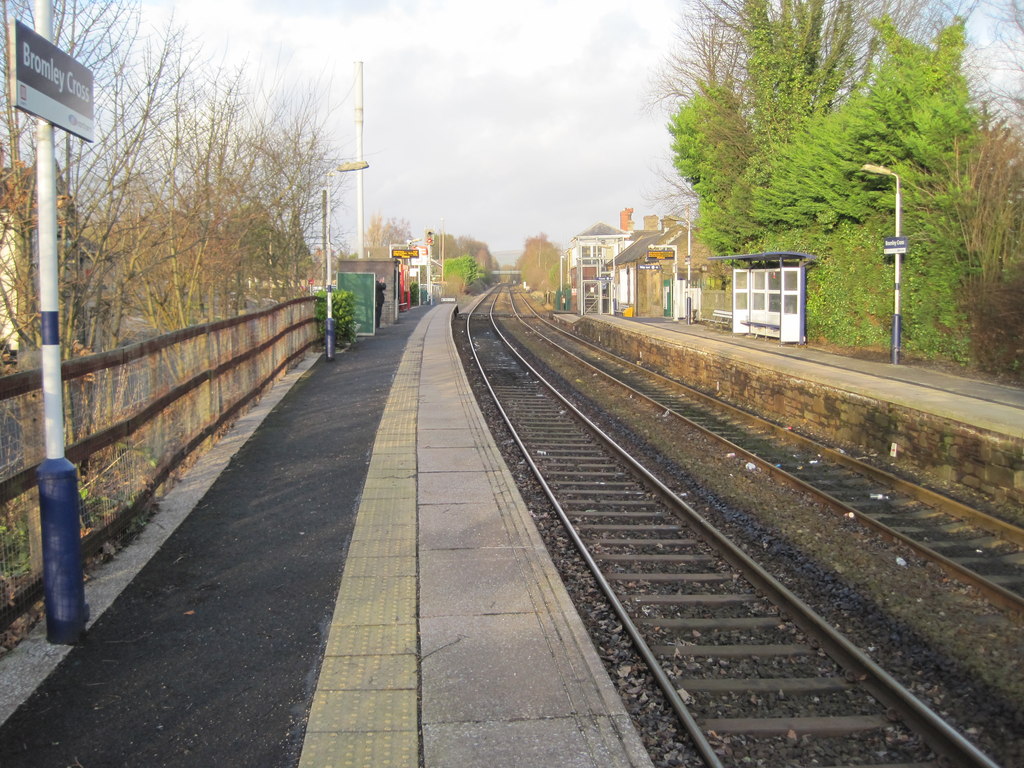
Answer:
(601, 230)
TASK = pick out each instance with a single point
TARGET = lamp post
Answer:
(881, 170)
(329, 332)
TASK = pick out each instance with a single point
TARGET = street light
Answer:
(329, 334)
(881, 170)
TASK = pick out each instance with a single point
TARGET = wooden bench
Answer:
(722, 316)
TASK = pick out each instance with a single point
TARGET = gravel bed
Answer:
(955, 652)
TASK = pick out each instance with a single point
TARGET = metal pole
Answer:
(359, 156)
(430, 259)
(897, 320)
(675, 286)
(59, 512)
(689, 309)
(329, 332)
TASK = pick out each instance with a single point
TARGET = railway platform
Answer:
(351, 578)
(354, 580)
(997, 407)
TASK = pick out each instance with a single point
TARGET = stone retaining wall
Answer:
(954, 452)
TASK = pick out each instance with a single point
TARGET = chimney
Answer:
(651, 224)
(626, 220)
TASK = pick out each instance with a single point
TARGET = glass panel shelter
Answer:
(769, 294)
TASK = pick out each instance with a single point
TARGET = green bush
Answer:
(343, 309)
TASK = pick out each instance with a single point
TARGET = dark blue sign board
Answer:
(49, 84)
(895, 245)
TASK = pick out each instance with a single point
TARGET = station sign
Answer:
(649, 266)
(894, 245)
(48, 83)
(403, 252)
(661, 252)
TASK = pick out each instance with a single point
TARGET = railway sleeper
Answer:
(714, 624)
(653, 543)
(790, 686)
(612, 515)
(660, 558)
(765, 650)
(667, 578)
(801, 726)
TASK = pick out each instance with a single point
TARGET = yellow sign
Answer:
(661, 252)
(404, 253)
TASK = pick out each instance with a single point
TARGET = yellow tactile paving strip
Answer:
(366, 707)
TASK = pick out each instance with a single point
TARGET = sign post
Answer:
(47, 83)
(897, 248)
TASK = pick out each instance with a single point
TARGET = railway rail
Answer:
(970, 545)
(736, 653)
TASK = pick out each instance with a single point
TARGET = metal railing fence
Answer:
(131, 417)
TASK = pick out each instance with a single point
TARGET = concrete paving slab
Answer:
(488, 668)
(563, 742)
(389, 639)
(462, 486)
(372, 672)
(461, 582)
(450, 459)
(450, 437)
(389, 711)
(458, 526)
(398, 749)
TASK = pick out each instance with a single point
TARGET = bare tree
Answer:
(381, 234)
(194, 201)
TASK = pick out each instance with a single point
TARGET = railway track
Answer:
(740, 658)
(970, 545)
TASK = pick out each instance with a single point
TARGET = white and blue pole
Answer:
(63, 583)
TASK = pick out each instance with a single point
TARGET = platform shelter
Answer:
(769, 294)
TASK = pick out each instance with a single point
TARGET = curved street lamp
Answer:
(329, 331)
(881, 170)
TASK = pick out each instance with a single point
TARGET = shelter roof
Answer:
(772, 256)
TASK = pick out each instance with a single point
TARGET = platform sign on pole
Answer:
(895, 245)
(48, 83)
(51, 85)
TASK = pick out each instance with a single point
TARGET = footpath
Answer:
(210, 654)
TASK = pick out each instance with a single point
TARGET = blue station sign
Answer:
(48, 83)
(895, 245)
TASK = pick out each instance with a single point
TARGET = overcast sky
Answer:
(506, 120)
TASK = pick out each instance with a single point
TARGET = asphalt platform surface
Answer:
(210, 656)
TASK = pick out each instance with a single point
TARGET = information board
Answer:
(363, 286)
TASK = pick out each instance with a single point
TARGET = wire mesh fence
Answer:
(131, 417)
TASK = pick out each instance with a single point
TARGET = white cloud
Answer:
(504, 119)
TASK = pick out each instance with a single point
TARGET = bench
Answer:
(755, 326)
(723, 316)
